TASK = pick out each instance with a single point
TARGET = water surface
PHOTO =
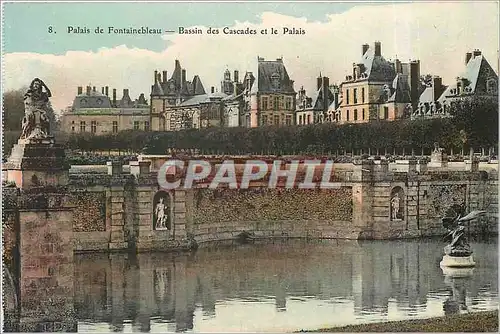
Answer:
(278, 286)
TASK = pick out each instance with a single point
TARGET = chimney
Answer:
(414, 79)
(80, 90)
(114, 97)
(468, 56)
(93, 89)
(183, 78)
(364, 48)
(156, 77)
(125, 94)
(318, 82)
(106, 91)
(102, 90)
(378, 49)
(88, 90)
(437, 82)
(236, 78)
(398, 66)
(164, 77)
(477, 53)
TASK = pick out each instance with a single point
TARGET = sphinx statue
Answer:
(36, 122)
(458, 246)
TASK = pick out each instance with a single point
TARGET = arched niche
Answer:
(397, 203)
(162, 211)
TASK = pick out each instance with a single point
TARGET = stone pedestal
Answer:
(457, 261)
(35, 163)
(472, 165)
(45, 237)
(438, 159)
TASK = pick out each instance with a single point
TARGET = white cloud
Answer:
(439, 34)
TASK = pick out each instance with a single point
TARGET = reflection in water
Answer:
(280, 286)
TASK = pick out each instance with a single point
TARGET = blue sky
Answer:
(26, 24)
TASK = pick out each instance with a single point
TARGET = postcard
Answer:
(250, 166)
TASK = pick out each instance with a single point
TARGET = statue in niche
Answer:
(454, 221)
(395, 206)
(161, 215)
(36, 123)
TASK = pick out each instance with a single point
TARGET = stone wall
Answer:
(46, 265)
(90, 211)
(116, 211)
(215, 214)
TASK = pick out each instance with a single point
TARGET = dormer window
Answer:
(275, 81)
(491, 86)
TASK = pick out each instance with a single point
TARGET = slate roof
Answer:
(401, 90)
(477, 71)
(93, 100)
(376, 68)
(174, 86)
(272, 77)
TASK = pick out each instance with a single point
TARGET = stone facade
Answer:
(315, 109)
(270, 98)
(97, 113)
(378, 89)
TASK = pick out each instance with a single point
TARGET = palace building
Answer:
(269, 97)
(378, 89)
(167, 94)
(315, 109)
(95, 112)
(478, 80)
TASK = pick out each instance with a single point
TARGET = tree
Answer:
(13, 103)
(476, 119)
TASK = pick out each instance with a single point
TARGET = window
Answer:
(72, 122)
(146, 126)
(300, 119)
(275, 81)
(264, 119)
(72, 129)
(355, 114)
(347, 96)
(308, 119)
(347, 116)
(491, 86)
(363, 95)
(386, 112)
(276, 120)
(288, 103)
(115, 126)
(355, 95)
(136, 125)
(276, 103)
(93, 126)
(82, 126)
(265, 103)
(288, 120)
